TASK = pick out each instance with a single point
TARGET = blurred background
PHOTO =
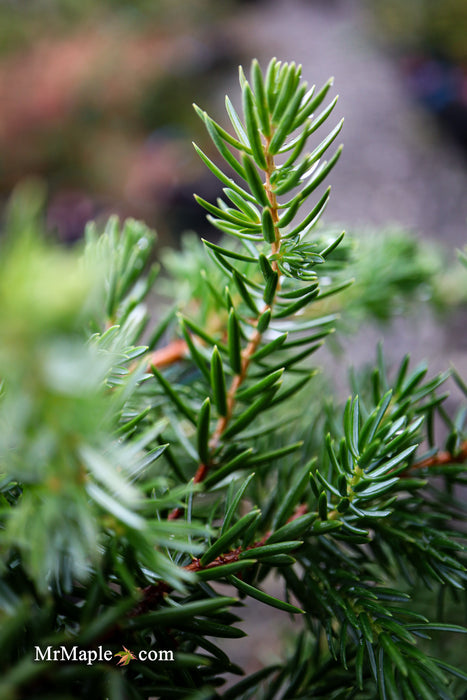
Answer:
(96, 95)
(96, 99)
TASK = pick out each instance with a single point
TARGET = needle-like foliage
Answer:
(143, 466)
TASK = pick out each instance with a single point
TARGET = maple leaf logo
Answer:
(126, 657)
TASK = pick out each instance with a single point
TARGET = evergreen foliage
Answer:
(144, 467)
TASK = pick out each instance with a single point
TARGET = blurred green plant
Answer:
(425, 25)
(137, 478)
(392, 272)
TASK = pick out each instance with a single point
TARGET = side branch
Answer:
(254, 340)
(441, 458)
(173, 352)
(153, 594)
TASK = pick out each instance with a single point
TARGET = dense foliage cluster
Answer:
(146, 465)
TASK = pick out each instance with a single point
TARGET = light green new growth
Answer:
(262, 214)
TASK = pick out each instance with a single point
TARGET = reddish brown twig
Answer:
(254, 340)
(300, 510)
(175, 514)
(439, 459)
(152, 595)
(175, 351)
(199, 476)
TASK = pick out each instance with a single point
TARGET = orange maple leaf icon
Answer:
(126, 655)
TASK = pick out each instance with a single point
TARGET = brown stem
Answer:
(273, 204)
(237, 381)
(153, 594)
(169, 354)
(439, 459)
(256, 337)
(254, 341)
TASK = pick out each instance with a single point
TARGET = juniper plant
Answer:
(139, 479)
